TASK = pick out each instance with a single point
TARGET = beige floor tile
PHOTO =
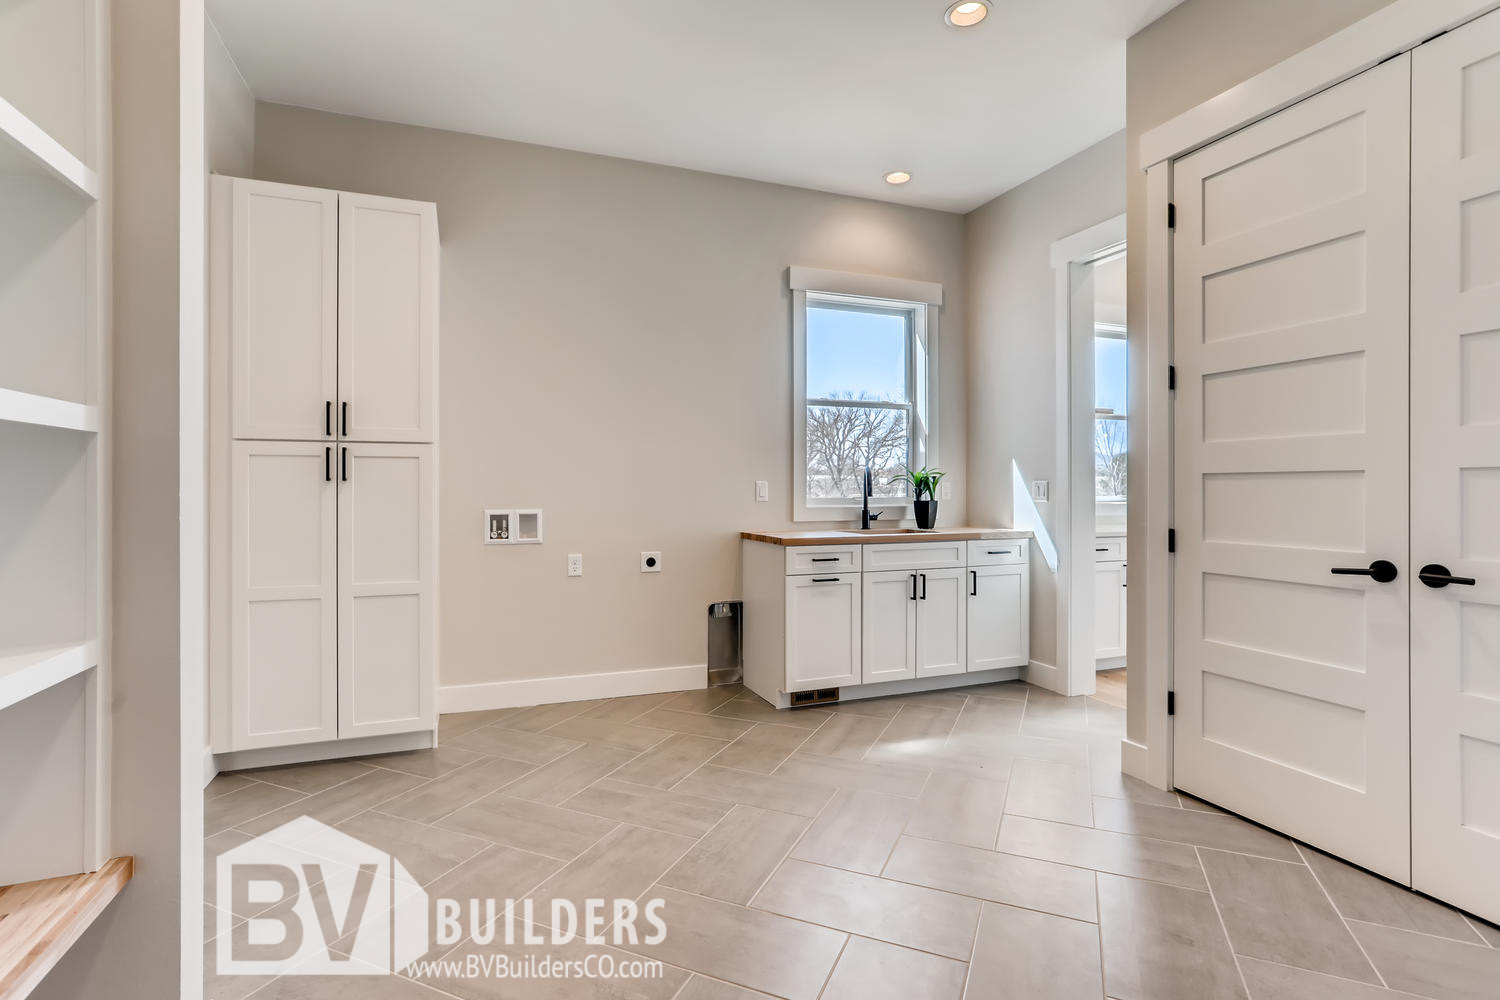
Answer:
(224, 811)
(702, 702)
(1220, 832)
(909, 915)
(1489, 932)
(629, 735)
(570, 774)
(751, 708)
(627, 709)
(1021, 953)
(1162, 942)
(986, 718)
(747, 947)
(1362, 896)
(662, 987)
(213, 846)
(1101, 850)
(438, 798)
(845, 735)
(919, 728)
(1029, 745)
(671, 760)
(1276, 911)
(623, 865)
(856, 831)
(1269, 981)
(539, 717)
(762, 749)
(691, 722)
(872, 708)
(855, 775)
(1044, 708)
(346, 988)
(874, 970)
(962, 762)
(738, 855)
(223, 784)
(217, 987)
(339, 802)
(703, 988)
(310, 778)
(497, 873)
(1048, 790)
(435, 763)
(530, 826)
(958, 809)
(955, 699)
(1000, 878)
(1110, 782)
(515, 744)
(1009, 690)
(773, 792)
(1430, 966)
(424, 851)
(672, 811)
(457, 723)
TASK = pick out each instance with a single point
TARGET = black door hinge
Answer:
(1171, 539)
(1171, 215)
(1172, 378)
(1171, 703)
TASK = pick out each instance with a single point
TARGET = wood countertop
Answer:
(881, 536)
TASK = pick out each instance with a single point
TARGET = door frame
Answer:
(1073, 673)
(1396, 28)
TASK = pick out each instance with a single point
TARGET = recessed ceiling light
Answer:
(967, 13)
(897, 177)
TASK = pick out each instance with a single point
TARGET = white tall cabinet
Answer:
(323, 509)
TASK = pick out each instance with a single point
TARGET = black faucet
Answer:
(865, 517)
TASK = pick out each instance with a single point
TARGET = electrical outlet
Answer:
(575, 564)
(1039, 489)
(762, 490)
(650, 562)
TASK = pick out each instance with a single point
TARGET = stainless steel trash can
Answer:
(724, 663)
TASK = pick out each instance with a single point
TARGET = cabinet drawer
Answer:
(907, 555)
(804, 559)
(997, 551)
(1109, 549)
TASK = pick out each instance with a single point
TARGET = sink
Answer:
(892, 531)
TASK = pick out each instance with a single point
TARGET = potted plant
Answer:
(923, 480)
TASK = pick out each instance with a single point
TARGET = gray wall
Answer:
(228, 109)
(1013, 342)
(615, 350)
(1192, 53)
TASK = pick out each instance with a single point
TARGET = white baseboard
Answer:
(576, 687)
(1046, 675)
(1136, 761)
(210, 767)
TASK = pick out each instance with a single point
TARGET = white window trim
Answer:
(923, 298)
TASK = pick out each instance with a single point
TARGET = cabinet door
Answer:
(822, 631)
(1109, 610)
(283, 591)
(388, 309)
(387, 661)
(889, 650)
(999, 617)
(942, 616)
(283, 311)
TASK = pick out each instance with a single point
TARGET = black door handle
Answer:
(1437, 577)
(973, 583)
(914, 586)
(328, 418)
(344, 419)
(924, 585)
(328, 464)
(344, 464)
(1381, 571)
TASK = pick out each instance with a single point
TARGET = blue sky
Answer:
(854, 352)
(1109, 373)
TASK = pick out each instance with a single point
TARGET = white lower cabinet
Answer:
(890, 633)
(942, 616)
(999, 617)
(822, 631)
(1109, 610)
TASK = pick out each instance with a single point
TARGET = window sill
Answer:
(889, 513)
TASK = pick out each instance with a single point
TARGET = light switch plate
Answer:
(762, 490)
(945, 490)
(1039, 490)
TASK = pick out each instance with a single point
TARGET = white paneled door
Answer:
(942, 621)
(1290, 341)
(284, 311)
(283, 594)
(999, 616)
(1455, 442)
(388, 317)
(890, 626)
(822, 631)
(386, 588)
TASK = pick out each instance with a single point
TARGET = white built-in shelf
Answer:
(44, 411)
(25, 672)
(25, 148)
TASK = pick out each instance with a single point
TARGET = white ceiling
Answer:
(823, 94)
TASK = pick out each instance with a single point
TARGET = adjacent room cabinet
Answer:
(820, 617)
(1109, 601)
(323, 430)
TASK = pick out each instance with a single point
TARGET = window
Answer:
(1109, 413)
(862, 396)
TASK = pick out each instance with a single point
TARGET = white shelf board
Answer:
(25, 672)
(26, 148)
(44, 411)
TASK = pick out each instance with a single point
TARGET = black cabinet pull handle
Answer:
(825, 579)
(344, 464)
(328, 464)
(1105, 549)
(1003, 552)
(973, 583)
(914, 586)
(344, 418)
(825, 559)
(924, 585)
(328, 418)
(1436, 576)
(1381, 571)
